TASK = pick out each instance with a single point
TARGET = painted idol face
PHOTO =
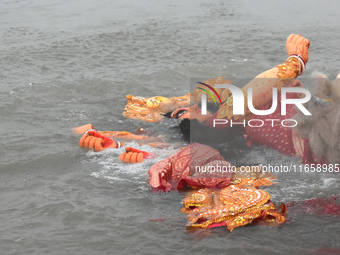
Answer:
(193, 112)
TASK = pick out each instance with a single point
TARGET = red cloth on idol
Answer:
(276, 136)
(273, 134)
(276, 132)
(178, 170)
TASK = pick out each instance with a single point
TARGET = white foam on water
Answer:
(113, 170)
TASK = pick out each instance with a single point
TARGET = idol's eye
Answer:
(178, 114)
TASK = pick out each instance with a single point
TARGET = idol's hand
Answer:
(298, 45)
(97, 142)
(132, 155)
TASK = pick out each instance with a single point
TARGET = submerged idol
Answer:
(232, 198)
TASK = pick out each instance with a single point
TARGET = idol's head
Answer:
(193, 113)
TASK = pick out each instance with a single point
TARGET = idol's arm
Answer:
(280, 76)
(297, 49)
(112, 134)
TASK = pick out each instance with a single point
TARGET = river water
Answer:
(69, 63)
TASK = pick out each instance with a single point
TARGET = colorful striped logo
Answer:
(209, 93)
